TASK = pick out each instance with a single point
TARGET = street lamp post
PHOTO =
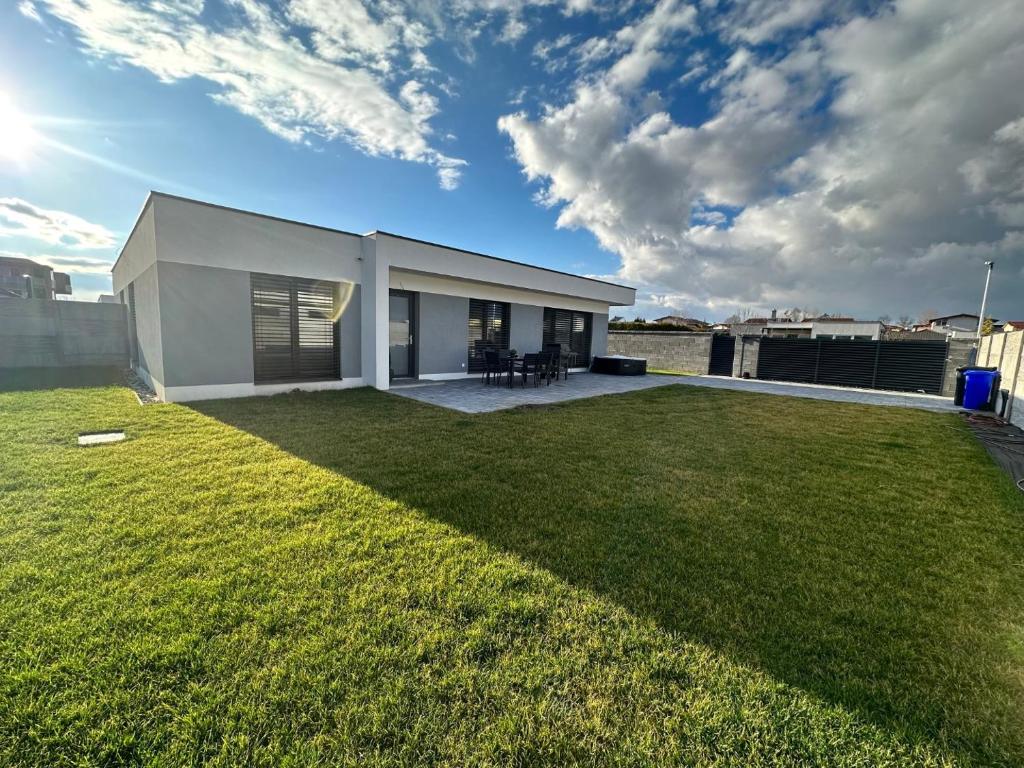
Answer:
(984, 299)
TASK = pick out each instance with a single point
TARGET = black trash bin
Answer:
(958, 393)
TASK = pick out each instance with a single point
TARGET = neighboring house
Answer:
(26, 279)
(108, 298)
(925, 335)
(1013, 325)
(960, 326)
(689, 322)
(954, 324)
(828, 328)
(228, 303)
(752, 326)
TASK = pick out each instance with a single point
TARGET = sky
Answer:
(857, 158)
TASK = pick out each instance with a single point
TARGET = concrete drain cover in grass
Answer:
(99, 438)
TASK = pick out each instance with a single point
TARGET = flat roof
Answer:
(154, 193)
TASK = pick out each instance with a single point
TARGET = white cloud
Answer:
(19, 218)
(513, 30)
(75, 265)
(870, 166)
(305, 68)
(757, 21)
(262, 69)
(28, 9)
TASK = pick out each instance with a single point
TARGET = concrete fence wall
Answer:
(36, 333)
(664, 350)
(1004, 351)
(959, 355)
(744, 358)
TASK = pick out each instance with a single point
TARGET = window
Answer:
(294, 331)
(570, 329)
(488, 329)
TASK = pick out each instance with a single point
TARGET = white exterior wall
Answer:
(420, 283)
(415, 256)
(209, 236)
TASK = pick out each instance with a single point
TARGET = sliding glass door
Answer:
(571, 329)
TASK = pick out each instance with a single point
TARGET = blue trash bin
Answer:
(978, 389)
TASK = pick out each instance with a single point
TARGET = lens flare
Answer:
(17, 136)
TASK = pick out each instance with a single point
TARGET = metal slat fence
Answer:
(908, 366)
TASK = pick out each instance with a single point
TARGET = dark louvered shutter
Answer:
(573, 330)
(488, 329)
(294, 333)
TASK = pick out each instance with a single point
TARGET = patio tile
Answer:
(471, 396)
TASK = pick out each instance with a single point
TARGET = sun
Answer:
(17, 136)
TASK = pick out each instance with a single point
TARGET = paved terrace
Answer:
(471, 396)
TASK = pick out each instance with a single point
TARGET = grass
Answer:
(679, 576)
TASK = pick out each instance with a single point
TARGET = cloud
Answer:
(871, 165)
(307, 70)
(758, 21)
(28, 9)
(79, 265)
(260, 66)
(19, 218)
(513, 30)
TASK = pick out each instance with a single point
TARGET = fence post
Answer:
(874, 371)
(1016, 377)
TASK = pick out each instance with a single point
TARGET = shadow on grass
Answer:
(29, 379)
(799, 537)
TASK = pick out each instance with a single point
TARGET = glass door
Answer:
(400, 334)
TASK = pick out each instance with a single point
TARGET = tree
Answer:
(987, 327)
(885, 319)
(617, 319)
(904, 321)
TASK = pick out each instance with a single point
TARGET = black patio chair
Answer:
(558, 360)
(530, 365)
(492, 365)
(549, 366)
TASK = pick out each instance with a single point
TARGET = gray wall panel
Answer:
(527, 331)
(443, 330)
(349, 326)
(207, 325)
(147, 323)
(599, 335)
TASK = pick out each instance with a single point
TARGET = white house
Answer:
(228, 303)
(824, 328)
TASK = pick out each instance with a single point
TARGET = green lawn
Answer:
(679, 576)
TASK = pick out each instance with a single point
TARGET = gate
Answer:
(722, 350)
(908, 366)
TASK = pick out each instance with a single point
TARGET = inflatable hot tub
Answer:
(617, 365)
